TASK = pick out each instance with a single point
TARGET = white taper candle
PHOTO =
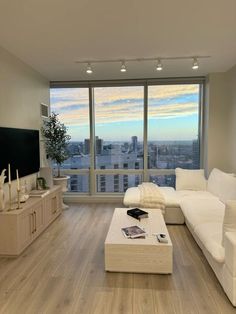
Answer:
(9, 173)
(18, 181)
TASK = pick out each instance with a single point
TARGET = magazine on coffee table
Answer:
(133, 232)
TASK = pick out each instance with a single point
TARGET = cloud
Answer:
(173, 110)
(122, 104)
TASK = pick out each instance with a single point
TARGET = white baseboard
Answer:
(93, 199)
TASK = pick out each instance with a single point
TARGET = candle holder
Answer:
(10, 200)
(18, 199)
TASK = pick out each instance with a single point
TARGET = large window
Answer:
(173, 119)
(118, 135)
(119, 127)
(123, 135)
(72, 105)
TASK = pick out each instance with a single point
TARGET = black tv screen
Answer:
(20, 148)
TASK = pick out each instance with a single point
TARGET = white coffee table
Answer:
(138, 255)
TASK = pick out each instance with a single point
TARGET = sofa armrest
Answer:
(230, 252)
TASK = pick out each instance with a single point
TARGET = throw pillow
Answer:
(190, 179)
(222, 184)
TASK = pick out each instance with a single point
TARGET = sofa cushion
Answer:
(222, 184)
(190, 179)
(196, 194)
(229, 222)
(210, 234)
(198, 211)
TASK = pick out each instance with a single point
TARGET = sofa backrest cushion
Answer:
(229, 222)
(222, 185)
(190, 179)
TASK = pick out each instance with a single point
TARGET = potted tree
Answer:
(56, 142)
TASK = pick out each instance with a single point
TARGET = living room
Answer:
(140, 98)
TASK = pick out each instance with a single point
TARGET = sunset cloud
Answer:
(123, 104)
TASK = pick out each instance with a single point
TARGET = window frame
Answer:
(144, 172)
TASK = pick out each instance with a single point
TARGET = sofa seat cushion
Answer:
(198, 211)
(210, 235)
(196, 194)
(132, 197)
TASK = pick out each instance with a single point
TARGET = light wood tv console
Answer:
(19, 228)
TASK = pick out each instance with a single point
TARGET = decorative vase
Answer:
(2, 195)
(2, 200)
(63, 182)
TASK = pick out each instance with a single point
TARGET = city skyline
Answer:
(172, 112)
(126, 156)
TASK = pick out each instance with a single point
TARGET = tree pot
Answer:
(63, 182)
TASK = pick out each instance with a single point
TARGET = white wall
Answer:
(217, 129)
(21, 91)
(231, 80)
(220, 123)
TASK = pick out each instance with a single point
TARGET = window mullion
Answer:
(201, 133)
(92, 136)
(145, 144)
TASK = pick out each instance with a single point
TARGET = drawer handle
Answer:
(35, 222)
(32, 223)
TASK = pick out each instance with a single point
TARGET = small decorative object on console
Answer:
(23, 193)
(41, 183)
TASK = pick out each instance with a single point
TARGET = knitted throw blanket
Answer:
(151, 196)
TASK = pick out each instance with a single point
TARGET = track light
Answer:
(159, 65)
(158, 60)
(195, 65)
(123, 67)
(89, 69)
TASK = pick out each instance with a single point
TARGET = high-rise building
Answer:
(126, 146)
(86, 146)
(134, 141)
(99, 145)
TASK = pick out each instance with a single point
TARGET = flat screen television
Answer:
(20, 148)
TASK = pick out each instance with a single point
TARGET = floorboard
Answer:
(63, 272)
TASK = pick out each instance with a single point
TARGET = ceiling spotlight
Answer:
(89, 69)
(195, 65)
(159, 65)
(123, 67)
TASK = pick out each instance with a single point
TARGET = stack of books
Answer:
(38, 193)
(137, 213)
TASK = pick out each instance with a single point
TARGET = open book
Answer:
(133, 232)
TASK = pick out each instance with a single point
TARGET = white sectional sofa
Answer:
(210, 215)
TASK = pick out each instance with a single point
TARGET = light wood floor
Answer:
(63, 272)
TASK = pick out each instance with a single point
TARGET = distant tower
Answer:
(134, 140)
(126, 146)
(99, 145)
(86, 146)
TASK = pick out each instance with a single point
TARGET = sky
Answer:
(172, 112)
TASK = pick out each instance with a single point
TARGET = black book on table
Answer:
(137, 213)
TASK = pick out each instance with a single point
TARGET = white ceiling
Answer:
(50, 35)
